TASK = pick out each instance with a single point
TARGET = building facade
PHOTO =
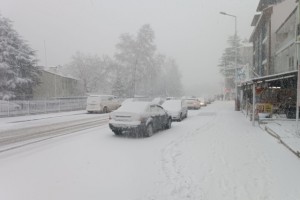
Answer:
(285, 45)
(272, 14)
(54, 85)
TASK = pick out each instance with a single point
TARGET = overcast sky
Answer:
(191, 31)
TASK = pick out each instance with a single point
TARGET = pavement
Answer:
(285, 131)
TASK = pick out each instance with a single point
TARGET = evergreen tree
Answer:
(172, 79)
(227, 61)
(18, 70)
(140, 65)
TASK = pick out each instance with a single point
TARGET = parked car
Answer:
(170, 98)
(143, 118)
(202, 101)
(158, 100)
(176, 108)
(102, 103)
(193, 103)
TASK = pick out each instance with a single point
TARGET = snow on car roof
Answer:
(192, 99)
(100, 95)
(172, 104)
(134, 106)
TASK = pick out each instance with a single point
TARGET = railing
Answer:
(16, 108)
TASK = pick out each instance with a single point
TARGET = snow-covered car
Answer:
(158, 100)
(170, 98)
(176, 108)
(143, 118)
(202, 101)
(8, 106)
(102, 103)
(193, 103)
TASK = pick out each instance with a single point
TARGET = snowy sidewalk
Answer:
(285, 131)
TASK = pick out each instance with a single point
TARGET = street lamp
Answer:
(236, 57)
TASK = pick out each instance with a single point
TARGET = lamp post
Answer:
(236, 57)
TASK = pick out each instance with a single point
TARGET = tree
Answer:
(118, 88)
(18, 70)
(137, 59)
(227, 61)
(146, 60)
(93, 71)
(127, 63)
(172, 79)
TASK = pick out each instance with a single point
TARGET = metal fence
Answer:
(16, 108)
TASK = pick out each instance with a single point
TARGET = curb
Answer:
(275, 135)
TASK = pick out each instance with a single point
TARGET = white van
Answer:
(102, 103)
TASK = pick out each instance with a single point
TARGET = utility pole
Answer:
(46, 64)
(298, 62)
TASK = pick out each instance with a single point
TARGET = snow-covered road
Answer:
(214, 154)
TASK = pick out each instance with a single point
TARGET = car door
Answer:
(184, 108)
(155, 117)
(163, 117)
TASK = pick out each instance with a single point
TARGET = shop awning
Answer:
(273, 77)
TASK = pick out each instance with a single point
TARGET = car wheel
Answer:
(117, 132)
(105, 110)
(169, 124)
(180, 117)
(149, 131)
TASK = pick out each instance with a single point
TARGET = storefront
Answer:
(275, 96)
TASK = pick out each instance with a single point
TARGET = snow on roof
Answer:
(58, 74)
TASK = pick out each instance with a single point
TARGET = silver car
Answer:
(176, 108)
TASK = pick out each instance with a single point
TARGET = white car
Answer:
(102, 103)
(193, 103)
(176, 108)
(203, 101)
(142, 118)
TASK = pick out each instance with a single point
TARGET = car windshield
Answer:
(149, 99)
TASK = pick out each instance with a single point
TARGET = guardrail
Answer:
(16, 108)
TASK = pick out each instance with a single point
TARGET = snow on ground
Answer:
(213, 154)
(9, 123)
(285, 130)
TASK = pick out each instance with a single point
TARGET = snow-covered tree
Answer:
(18, 70)
(173, 85)
(127, 63)
(227, 61)
(95, 72)
(119, 88)
(137, 59)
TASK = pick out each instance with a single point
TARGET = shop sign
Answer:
(264, 108)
